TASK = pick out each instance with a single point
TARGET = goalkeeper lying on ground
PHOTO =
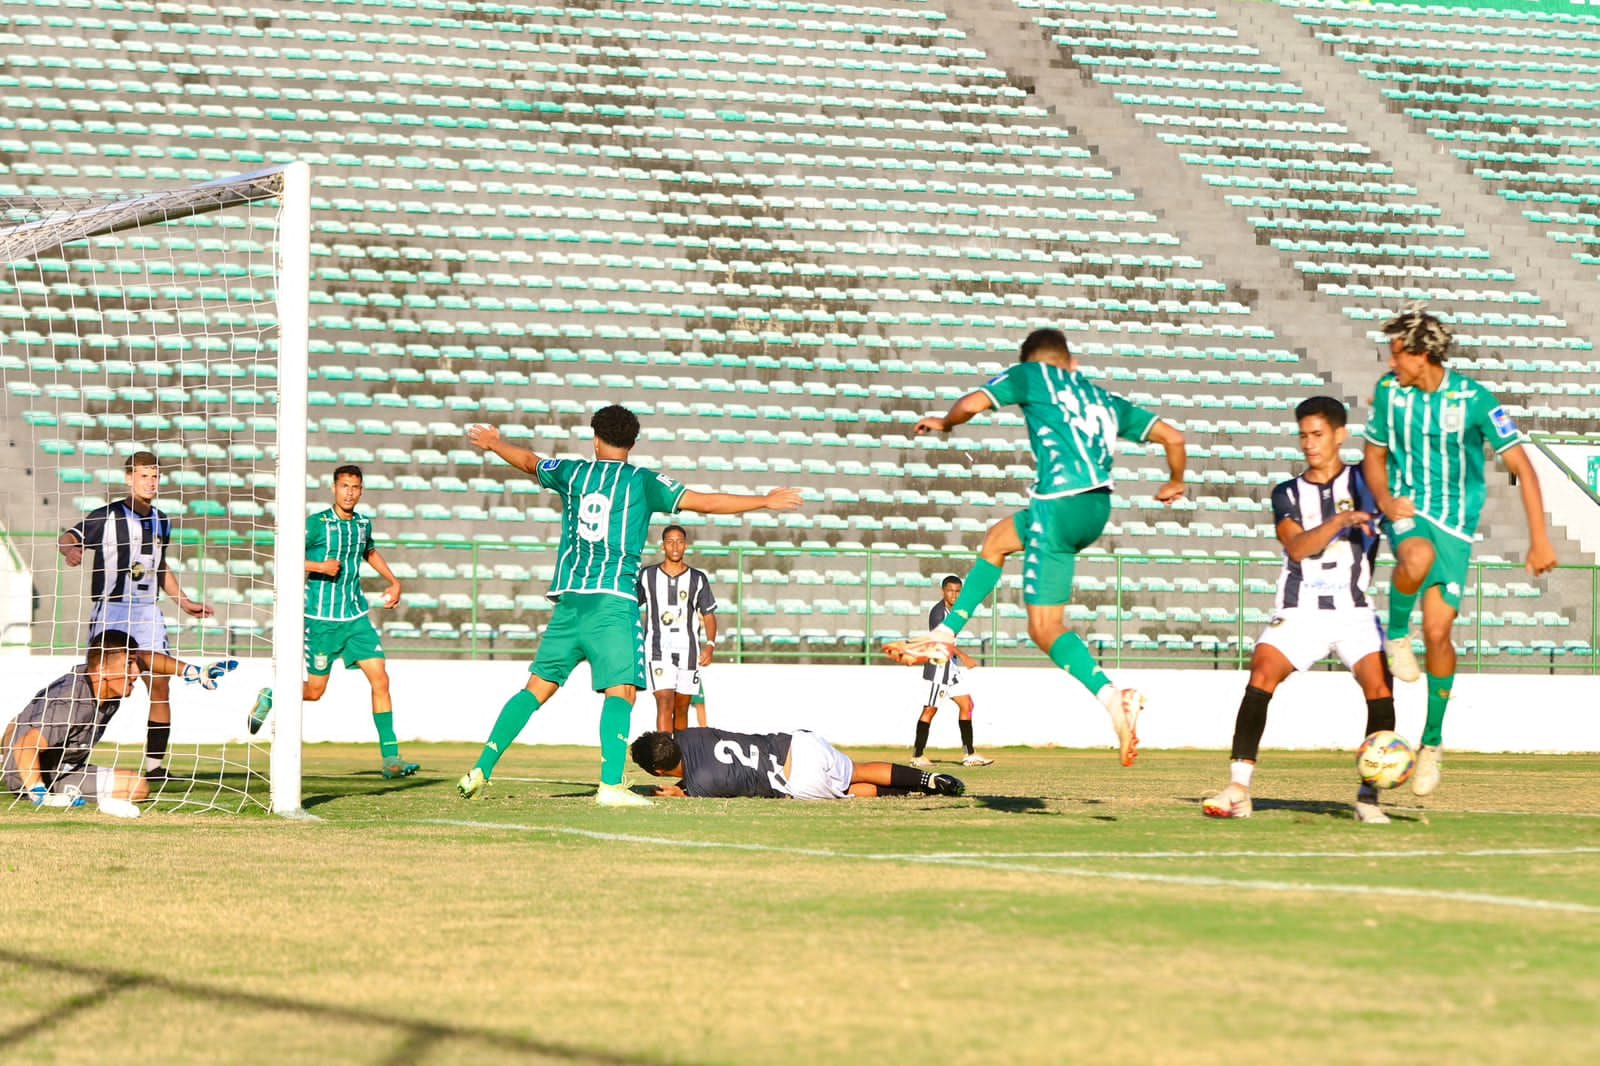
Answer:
(798, 765)
(44, 754)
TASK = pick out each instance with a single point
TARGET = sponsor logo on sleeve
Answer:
(1503, 424)
(549, 464)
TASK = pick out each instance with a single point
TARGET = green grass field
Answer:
(1066, 910)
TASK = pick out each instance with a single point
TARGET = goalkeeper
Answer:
(44, 754)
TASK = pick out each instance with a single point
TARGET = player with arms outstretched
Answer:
(128, 540)
(338, 541)
(607, 503)
(1324, 520)
(672, 593)
(1073, 426)
(798, 765)
(1424, 462)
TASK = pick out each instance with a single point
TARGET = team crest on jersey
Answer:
(1277, 620)
(1502, 422)
(1452, 418)
(683, 594)
(659, 671)
(1345, 505)
(549, 464)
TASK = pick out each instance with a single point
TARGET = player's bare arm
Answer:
(729, 503)
(964, 410)
(1300, 543)
(1170, 437)
(709, 647)
(25, 752)
(1375, 468)
(325, 567)
(391, 588)
(967, 661)
(675, 791)
(70, 547)
(1541, 554)
(172, 587)
(488, 438)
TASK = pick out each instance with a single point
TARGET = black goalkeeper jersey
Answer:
(723, 764)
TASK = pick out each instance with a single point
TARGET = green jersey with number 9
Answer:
(1073, 425)
(605, 522)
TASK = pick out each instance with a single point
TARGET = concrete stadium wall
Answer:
(855, 705)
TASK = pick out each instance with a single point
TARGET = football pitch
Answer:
(1065, 910)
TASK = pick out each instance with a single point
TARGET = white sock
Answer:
(942, 632)
(151, 764)
(1108, 695)
(1239, 772)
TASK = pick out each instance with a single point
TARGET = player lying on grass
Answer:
(44, 754)
(797, 765)
(338, 541)
(1073, 427)
(1424, 461)
(127, 541)
(1324, 522)
(605, 524)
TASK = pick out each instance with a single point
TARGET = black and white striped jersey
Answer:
(672, 605)
(129, 550)
(1341, 574)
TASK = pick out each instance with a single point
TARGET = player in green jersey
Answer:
(338, 541)
(607, 503)
(1424, 463)
(1073, 426)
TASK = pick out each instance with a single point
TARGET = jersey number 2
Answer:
(728, 752)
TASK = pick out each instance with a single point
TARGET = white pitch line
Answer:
(1187, 880)
(1417, 853)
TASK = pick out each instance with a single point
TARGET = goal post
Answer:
(172, 321)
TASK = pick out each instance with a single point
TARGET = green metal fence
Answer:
(839, 605)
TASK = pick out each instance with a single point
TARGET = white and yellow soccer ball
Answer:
(1385, 760)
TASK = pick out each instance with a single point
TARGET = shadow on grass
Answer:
(404, 784)
(417, 1039)
(1325, 808)
(1012, 804)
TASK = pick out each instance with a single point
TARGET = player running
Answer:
(947, 681)
(606, 507)
(1073, 426)
(128, 540)
(798, 765)
(672, 592)
(1424, 462)
(338, 541)
(44, 754)
(1323, 519)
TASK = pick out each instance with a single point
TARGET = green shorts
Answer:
(597, 628)
(1053, 532)
(1451, 556)
(354, 641)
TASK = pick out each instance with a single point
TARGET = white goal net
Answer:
(160, 329)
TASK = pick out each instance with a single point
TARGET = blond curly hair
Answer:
(1420, 333)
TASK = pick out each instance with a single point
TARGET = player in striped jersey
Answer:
(947, 681)
(338, 541)
(128, 541)
(1323, 519)
(606, 506)
(1424, 461)
(1073, 426)
(672, 592)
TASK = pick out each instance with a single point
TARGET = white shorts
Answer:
(817, 769)
(949, 681)
(141, 621)
(1305, 635)
(674, 673)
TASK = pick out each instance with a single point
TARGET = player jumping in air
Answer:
(672, 593)
(606, 507)
(798, 765)
(1073, 426)
(128, 540)
(338, 541)
(1424, 462)
(1324, 520)
(44, 754)
(947, 681)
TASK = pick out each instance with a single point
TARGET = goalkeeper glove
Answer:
(43, 797)
(208, 677)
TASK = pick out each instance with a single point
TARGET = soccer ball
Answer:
(1385, 760)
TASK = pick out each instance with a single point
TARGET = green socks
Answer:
(981, 580)
(513, 716)
(386, 741)
(1071, 654)
(616, 717)
(1400, 605)
(1438, 699)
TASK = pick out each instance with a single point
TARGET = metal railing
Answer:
(1119, 598)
